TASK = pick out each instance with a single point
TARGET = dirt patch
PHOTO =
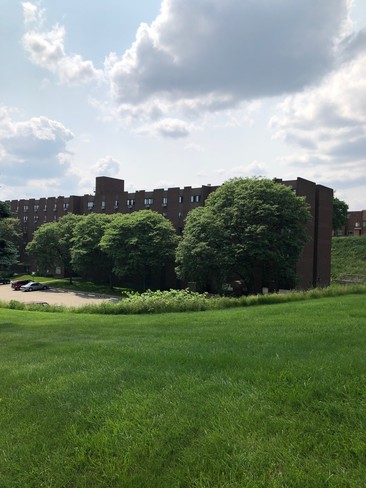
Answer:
(53, 296)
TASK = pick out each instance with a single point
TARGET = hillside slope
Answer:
(348, 256)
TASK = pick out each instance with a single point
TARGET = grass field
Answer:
(348, 256)
(269, 396)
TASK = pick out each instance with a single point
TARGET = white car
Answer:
(33, 285)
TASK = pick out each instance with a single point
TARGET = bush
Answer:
(163, 301)
(186, 301)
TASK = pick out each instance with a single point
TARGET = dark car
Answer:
(33, 285)
(17, 284)
(4, 281)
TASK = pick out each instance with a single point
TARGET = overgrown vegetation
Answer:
(348, 256)
(268, 397)
(10, 233)
(183, 301)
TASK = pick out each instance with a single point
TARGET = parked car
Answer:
(33, 285)
(17, 284)
(4, 281)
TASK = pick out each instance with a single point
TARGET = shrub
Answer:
(186, 301)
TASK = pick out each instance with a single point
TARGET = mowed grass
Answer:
(269, 396)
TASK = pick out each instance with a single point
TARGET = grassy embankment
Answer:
(266, 396)
(348, 256)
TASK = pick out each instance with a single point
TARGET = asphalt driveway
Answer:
(53, 296)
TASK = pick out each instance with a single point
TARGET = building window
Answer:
(116, 204)
(17, 209)
(102, 205)
(165, 214)
(54, 218)
(180, 215)
(25, 218)
(148, 201)
(36, 218)
(90, 205)
(54, 207)
(66, 207)
(180, 230)
(45, 218)
(195, 198)
(180, 199)
(45, 208)
(36, 208)
(165, 201)
(130, 202)
(25, 208)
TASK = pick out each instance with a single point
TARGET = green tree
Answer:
(51, 245)
(199, 253)
(9, 238)
(4, 210)
(139, 243)
(249, 229)
(340, 210)
(87, 257)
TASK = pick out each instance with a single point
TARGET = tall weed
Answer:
(186, 301)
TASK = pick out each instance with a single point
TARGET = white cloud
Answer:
(172, 128)
(107, 166)
(32, 13)
(214, 54)
(46, 49)
(194, 147)
(329, 117)
(32, 149)
(253, 169)
(327, 126)
(205, 57)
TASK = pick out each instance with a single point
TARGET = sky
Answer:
(181, 93)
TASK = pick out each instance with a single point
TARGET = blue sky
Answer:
(181, 92)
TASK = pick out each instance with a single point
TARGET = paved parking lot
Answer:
(53, 296)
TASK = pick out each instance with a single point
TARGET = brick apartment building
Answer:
(355, 225)
(110, 197)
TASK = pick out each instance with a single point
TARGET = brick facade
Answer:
(355, 225)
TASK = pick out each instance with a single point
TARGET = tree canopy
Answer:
(248, 228)
(340, 210)
(9, 237)
(51, 244)
(139, 242)
(4, 210)
(87, 257)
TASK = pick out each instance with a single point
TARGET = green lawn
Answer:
(269, 396)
